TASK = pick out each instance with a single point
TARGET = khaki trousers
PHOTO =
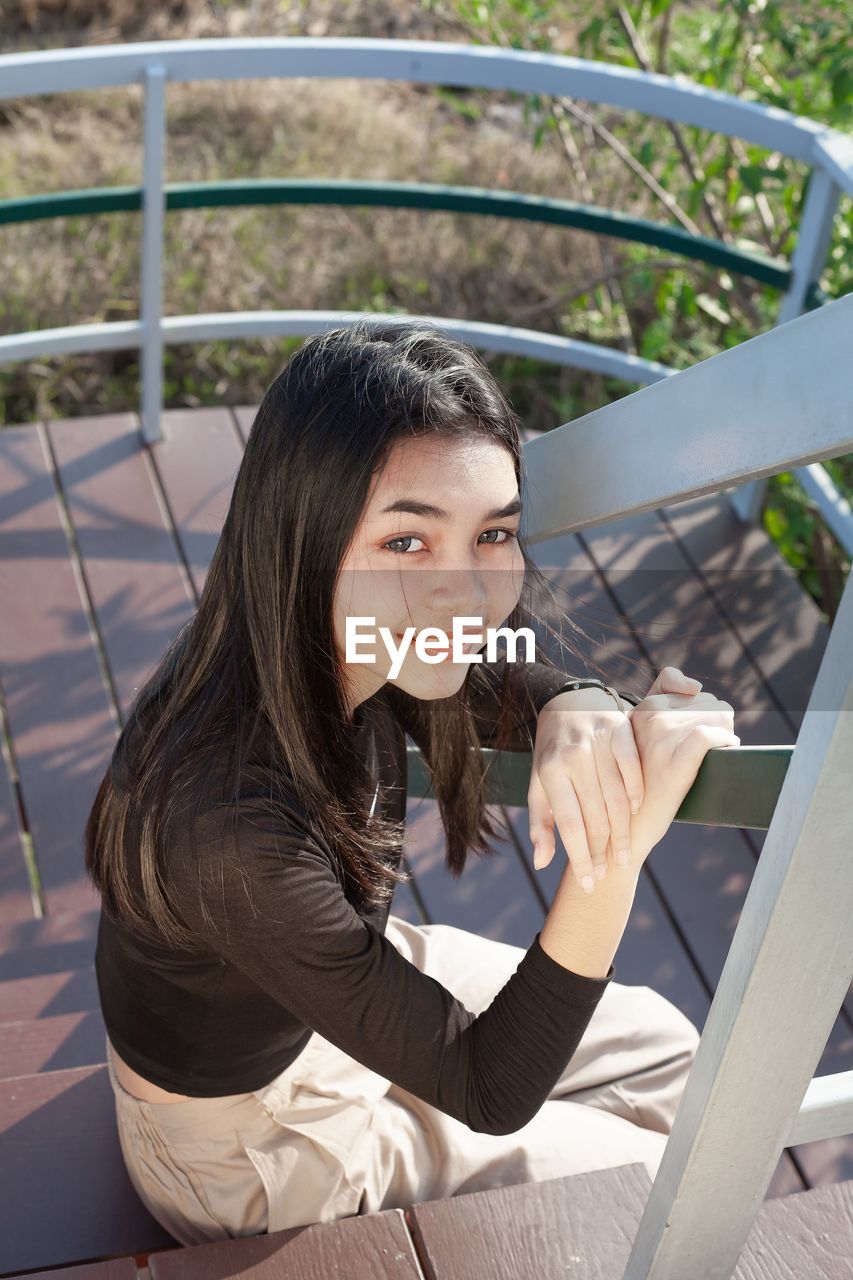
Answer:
(329, 1138)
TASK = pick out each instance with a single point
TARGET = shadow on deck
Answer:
(105, 547)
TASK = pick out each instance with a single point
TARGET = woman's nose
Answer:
(459, 590)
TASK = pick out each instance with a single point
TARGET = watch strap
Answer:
(588, 683)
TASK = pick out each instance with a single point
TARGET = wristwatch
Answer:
(592, 683)
(626, 697)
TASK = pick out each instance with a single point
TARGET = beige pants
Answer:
(329, 1138)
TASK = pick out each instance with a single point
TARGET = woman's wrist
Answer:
(590, 699)
(582, 931)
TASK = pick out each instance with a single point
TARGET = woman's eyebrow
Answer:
(412, 506)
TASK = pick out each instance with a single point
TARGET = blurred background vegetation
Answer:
(793, 54)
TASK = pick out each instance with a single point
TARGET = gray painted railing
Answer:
(751, 1090)
(828, 153)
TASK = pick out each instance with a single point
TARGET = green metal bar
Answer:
(816, 297)
(408, 195)
(735, 786)
(71, 204)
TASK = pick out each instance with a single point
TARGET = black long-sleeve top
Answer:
(283, 951)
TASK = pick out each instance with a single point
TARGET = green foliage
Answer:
(783, 53)
(457, 98)
(790, 55)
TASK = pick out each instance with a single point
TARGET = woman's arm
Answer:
(277, 912)
(582, 932)
(533, 685)
(673, 732)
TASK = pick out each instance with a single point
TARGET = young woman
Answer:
(283, 1049)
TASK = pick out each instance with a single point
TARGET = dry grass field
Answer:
(86, 269)
(81, 270)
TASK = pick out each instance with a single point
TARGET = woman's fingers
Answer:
(541, 821)
(697, 742)
(587, 793)
(704, 736)
(616, 762)
(623, 747)
(563, 786)
(597, 793)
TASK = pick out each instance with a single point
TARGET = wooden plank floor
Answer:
(104, 549)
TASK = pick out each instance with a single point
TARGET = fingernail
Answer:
(600, 870)
(587, 884)
(635, 804)
(622, 857)
(537, 857)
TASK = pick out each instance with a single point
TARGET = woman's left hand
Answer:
(587, 777)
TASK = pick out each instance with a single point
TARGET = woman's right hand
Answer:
(673, 732)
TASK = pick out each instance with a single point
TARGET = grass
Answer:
(85, 269)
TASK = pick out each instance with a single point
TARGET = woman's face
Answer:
(408, 569)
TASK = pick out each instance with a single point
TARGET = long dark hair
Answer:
(258, 661)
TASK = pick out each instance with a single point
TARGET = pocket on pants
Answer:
(225, 1182)
(190, 1165)
(314, 1157)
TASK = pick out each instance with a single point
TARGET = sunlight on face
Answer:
(408, 569)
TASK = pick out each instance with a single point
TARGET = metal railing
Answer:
(751, 1091)
(791, 959)
(828, 153)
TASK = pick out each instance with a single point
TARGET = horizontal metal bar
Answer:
(70, 204)
(71, 339)
(826, 1111)
(419, 62)
(690, 434)
(406, 195)
(508, 339)
(735, 786)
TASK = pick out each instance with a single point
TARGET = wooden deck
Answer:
(104, 549)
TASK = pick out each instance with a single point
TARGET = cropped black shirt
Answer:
(283, 951)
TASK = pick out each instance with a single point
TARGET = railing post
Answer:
(807, 263)
(151, 282)
(786, 974)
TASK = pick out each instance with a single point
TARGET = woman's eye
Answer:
(403, 538)
(509, 535)
(410, 537)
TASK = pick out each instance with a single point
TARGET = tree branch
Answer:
(604, 251)
(563, 297)
(696, 176)
(633, 163)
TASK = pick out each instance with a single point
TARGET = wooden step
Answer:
(57, 1131)
(59, 926)
(372, 1246)
(49, 945)
(114, 1269)
(809, 1234)
(70, 1199)
(584, 1226)
(53, 1044)
(581, 1225)
(47, 995)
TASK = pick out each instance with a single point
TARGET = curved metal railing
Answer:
(828, 153)
(791, 959)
